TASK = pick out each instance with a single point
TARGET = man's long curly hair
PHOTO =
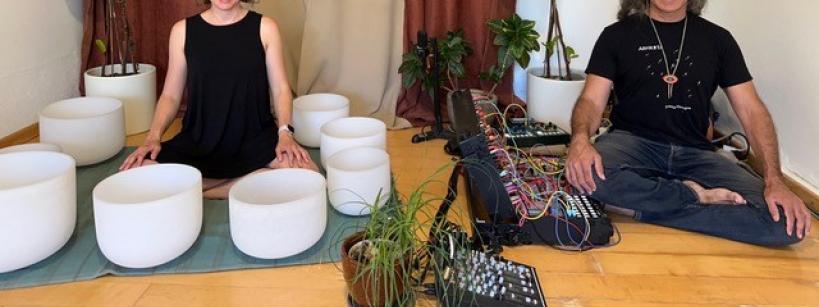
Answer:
(640, 7)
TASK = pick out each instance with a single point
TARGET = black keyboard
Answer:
(568, 226)
(528, 134)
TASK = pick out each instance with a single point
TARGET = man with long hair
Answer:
(665, 62)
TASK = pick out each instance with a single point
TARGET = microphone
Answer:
(421, 44)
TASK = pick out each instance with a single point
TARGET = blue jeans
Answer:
(646, 176)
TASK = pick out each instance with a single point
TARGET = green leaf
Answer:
(523, 61)
(501, 40)
(101, 46)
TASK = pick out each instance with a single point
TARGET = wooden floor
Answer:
(652, 266)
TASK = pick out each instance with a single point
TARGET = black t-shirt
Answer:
(628, 53)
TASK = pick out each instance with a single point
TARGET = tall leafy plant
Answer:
(556, 45)
(452, 50)
(118, 46)
(516, 38)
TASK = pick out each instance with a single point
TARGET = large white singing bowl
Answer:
(31, 147)
(90, 129)
(351, 132)
(358, 179)
(310, 112)
(279, 213)
(38, 206)
(149, 215)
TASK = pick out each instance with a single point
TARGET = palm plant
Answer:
(555, 45)
(118, 47)
(516, 37)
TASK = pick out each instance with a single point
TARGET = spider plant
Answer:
(383, 264)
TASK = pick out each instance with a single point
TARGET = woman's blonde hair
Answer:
(640, 7)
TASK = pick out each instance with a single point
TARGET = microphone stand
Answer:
(428, 50)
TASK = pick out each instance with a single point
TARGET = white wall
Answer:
(582, 22)
(39, 58)
(779, 41)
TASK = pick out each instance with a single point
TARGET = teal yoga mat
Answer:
(81, 259)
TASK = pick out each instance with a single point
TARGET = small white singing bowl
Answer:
(38, 206)
(351, 132)
(310, 112)
(358, 179)
(31, 147)
(149, 215)
(278, 213)
(90, 129)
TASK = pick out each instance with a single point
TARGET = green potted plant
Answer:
(121, 76)
(452, 51)
(553, 89)
(516, 38)
(381, 263)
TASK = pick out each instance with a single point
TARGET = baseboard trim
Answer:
(798, 186)
(22, 136)
(801, 189)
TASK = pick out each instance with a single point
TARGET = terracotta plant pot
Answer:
(360, 288)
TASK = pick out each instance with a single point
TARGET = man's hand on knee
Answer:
(797, 216)
(583, 160)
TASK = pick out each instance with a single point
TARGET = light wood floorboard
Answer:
(652, 266)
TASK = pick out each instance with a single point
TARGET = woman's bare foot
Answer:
(717, 196)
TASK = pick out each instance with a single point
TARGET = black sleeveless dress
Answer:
(228, 130)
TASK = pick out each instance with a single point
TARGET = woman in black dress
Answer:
(229, 60)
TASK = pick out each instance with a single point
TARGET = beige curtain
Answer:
(348, 47)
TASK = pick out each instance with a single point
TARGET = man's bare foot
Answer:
(718, 196)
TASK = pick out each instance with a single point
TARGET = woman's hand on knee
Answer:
(290, 152)
(150, 148)
(583, 160)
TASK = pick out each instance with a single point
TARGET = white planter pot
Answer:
(31, 147)
(351, 132)
(148, 215)
(550, 100)
(137, 93)
(358, 179)
(310, 112)
(90, 129)
(38, 206)
(278, 213)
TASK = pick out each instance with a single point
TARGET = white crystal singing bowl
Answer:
(279, 213)
(38, 206)
(351, 132)
(310, 112)
(357, 179)
(31, 147)
(90, 129)
(148, 215)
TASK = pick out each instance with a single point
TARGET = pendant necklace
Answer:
(670, 78)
